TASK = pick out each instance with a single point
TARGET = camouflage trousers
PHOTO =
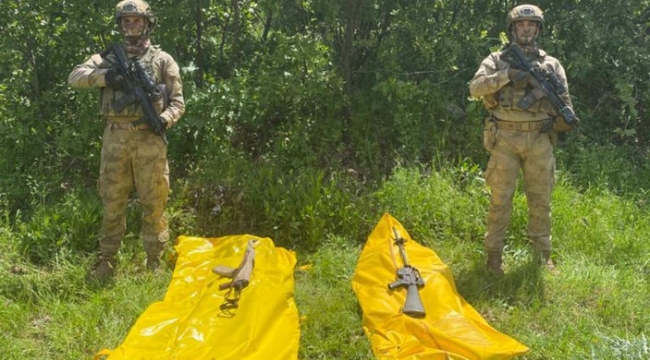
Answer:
(532, 152)
(133, 158)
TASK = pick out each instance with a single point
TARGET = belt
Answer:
(520, 125)
(127, 126)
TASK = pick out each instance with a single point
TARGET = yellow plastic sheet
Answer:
(452, 329)
(189, 324)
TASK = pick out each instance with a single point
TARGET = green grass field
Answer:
(595, 308)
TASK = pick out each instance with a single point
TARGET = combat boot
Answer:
(154, 247)
(153, 263)
(103, 270)
(494, 262)
(543, 259)
(546, 261)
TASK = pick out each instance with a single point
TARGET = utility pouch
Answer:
(489, 134)
(560, 125)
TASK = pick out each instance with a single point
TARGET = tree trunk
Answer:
(200, 61)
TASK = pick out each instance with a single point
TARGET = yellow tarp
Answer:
(452, 329)
(189, 324)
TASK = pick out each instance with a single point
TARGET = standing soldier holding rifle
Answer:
(527, 95)
(140, 97)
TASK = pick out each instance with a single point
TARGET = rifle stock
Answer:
(240, 276)
(413, 305)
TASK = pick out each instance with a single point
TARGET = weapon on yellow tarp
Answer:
(409, 277)
(240, 277)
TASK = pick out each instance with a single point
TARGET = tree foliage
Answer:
(332, 84)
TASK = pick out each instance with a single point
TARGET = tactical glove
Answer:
(517, 75)
(114, 80)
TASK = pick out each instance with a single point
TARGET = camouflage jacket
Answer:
(501, 96)
(161, 67)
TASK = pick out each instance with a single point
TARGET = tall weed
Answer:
(441, 205)
(298, 209)
(67, 227)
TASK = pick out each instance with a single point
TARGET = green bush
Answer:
(446, 205)
(297, 209)
(622, 169)
(62, 229)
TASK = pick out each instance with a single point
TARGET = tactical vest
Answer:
(132, 112)
(512, 95)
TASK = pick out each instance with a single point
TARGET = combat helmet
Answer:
(525, 12)
(136, 8)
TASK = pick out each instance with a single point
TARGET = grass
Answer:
(595, 308)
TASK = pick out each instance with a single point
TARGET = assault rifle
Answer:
(545, 83)
(240, 276)
(410, 277)
(140, 88)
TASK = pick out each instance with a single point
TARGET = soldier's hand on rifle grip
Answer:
(517, 75)
(114, 80)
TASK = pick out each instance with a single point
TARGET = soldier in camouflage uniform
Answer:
(512, 136)
(132, 155)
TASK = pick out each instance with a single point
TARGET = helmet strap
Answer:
(136, 45)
